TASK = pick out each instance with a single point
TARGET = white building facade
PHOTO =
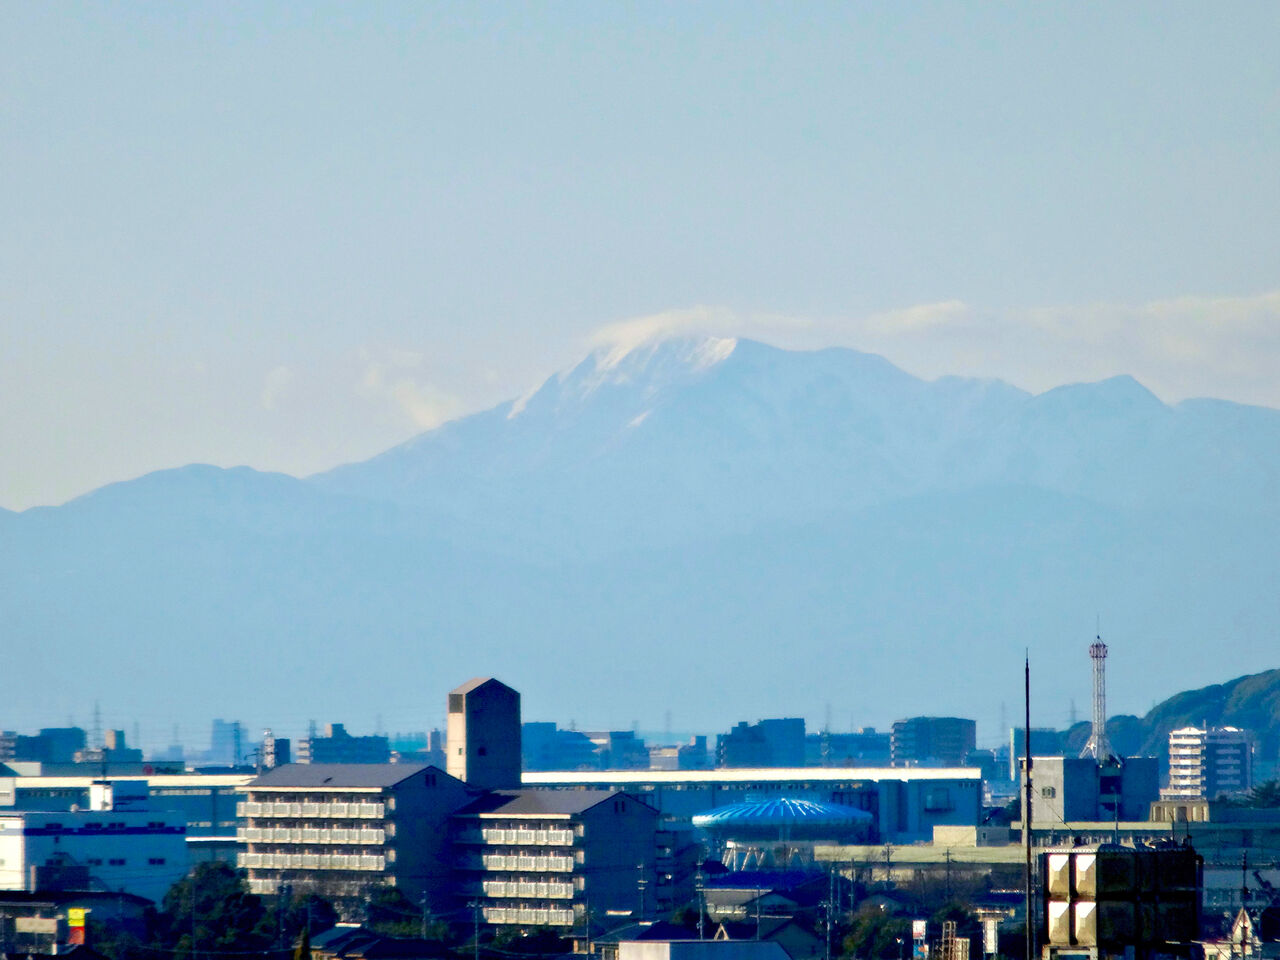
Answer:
(1208, 762)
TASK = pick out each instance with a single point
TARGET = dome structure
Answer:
(780, 832)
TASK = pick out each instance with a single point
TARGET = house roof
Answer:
(338, 775)
(539, 803)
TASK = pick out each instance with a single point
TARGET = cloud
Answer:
(275, 385)
(387, 376)
(1180, 347)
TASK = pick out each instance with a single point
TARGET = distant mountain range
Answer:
(715, 528)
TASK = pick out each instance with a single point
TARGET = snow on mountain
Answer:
(665, 521)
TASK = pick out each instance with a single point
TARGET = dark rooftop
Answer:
(338, 775)
(532, 803)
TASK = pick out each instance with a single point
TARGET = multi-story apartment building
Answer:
(932, 741)
(541, 857)
(1209, 762)
(338, 746)
(341, 829)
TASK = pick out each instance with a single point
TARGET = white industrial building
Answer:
(129, 849)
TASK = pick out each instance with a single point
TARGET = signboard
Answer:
(35, 925)
(990, 936)
(75, 916)
(919, 929)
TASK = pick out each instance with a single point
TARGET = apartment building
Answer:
(341, 829)
(932, 741)
(547, 858)
(1209, 762)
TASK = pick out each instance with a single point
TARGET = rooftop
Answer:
(338, 775)
(538, 803)
(746, 775)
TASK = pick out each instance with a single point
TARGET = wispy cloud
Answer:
(394, 376)
(275, 385)
(1180, 347)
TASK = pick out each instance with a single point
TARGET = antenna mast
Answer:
(1098, 747)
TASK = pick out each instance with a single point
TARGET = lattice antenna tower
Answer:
(1098, 747)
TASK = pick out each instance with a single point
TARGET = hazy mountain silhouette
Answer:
(717, 527)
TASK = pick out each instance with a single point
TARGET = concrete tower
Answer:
(483, 736)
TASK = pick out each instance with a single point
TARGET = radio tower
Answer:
(1098, 746)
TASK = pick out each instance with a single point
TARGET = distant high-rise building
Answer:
(861, 748)
(335, 745)
(483, 734)
(226, 743)
(544, 746)
(767, 743)
(1045, 742)
(276, 751)
(1209, 762)
(932, 741)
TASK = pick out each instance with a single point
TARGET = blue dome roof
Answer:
(781, 812)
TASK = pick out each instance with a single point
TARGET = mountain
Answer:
(1251, 702)
(718, 528)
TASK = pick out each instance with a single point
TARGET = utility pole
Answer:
(1026, 810)
(702, 902)
(641, 883)
(424, 916)
(475, 915)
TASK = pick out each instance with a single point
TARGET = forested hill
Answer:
(1251, 702)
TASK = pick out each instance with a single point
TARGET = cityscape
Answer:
(587, 841)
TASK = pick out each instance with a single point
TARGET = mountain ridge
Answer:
(789, 527)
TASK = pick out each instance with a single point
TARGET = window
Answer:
(94, 861)
(116, 862)
(156, 861)
(480, 751)
(1048, 793)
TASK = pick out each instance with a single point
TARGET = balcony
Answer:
(310, 861)
(312, 811)
(521, 838)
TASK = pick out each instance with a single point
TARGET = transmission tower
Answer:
(1098, 747)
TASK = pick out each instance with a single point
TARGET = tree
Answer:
(874, 933)
(212, 910)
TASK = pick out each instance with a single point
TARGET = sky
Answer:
(291, 236)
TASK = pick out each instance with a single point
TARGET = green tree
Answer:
(211, 910)
(874, 933)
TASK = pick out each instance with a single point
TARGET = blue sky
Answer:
(292, 235)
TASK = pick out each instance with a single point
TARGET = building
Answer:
(50, 745)
(339, 830)
(544, 858)
(1045, 742)
(1069, 789)
(767, 743)
(338, 746)
(206, 803)
(226, 743)
(1209, 762)
(114, 750)
(861, 748)
(1106, 900)
(138, 852)
(906, 803)
(483, 734)
(932, 741)
(687, 756)
(276, 751)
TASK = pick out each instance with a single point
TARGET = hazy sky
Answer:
(290, 236)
